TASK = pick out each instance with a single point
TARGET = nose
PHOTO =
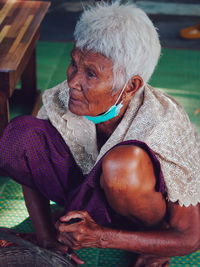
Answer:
(74, 80)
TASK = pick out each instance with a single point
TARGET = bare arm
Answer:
(181, 237)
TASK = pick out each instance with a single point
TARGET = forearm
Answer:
(159, 243)
(39, 210)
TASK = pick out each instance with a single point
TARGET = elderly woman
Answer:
(121, 157)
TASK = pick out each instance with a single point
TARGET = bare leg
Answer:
(128, 180)
(40, 213)
(39, 209)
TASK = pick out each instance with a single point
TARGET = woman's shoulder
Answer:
(163, 124)
(166, 103)
(56, 98)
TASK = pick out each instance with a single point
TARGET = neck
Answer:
(105, 129)
(108, 127)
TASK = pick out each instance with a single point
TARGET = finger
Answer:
(65, 239)
(63, 226)
(167, 264)
(70, 228)
(65, 242)
(63, 250)
(72, 215)
(75, 258)
(139, 263)
(59, 248)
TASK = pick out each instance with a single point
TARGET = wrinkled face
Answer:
(90, 80)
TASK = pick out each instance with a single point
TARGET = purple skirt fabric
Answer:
(33, 153)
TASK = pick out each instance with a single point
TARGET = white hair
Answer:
(122, 33)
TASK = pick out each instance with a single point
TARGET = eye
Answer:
(91, 73)
(73, 63)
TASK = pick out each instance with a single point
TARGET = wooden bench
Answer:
(19, 32)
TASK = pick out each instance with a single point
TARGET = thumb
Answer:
(76, 259)
(64, 250)
(72, 217)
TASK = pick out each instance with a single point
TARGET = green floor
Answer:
(178, 74)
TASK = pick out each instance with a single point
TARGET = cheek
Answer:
(69, 73)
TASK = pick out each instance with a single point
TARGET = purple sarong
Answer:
(33, 153)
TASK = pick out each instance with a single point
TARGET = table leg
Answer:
(29, 78)
(4, 111)
(29, 85)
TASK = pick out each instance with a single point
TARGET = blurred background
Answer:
(169, 17)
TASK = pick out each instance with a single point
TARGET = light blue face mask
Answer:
(109, 114)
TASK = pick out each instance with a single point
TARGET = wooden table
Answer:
(19, 33)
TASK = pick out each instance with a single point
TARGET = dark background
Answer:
(59, 23)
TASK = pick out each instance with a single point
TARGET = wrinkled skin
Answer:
(127, 179)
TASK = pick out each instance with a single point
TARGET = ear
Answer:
(135, 83)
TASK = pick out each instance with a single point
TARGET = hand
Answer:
(82, 234)
(151, 261)
(57, 247)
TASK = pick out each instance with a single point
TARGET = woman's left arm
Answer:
(180, 237)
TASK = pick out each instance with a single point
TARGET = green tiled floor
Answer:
(178, 74)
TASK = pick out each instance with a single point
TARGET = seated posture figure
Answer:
(116, 153)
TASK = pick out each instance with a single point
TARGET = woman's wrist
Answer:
(107, 237)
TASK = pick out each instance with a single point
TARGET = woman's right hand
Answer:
(59, 248)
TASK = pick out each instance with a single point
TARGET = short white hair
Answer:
(122, 33)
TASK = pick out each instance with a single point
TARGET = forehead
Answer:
(91, 57)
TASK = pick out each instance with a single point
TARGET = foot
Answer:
(152, 261)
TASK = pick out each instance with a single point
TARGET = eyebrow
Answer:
(98, 68)
(89, 65)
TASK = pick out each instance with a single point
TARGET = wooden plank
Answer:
(27, 55)
(4, 47)
(6, 8)
(25, 36)
(4, 32)
(19, 15)
(10, 16)
(20, 35)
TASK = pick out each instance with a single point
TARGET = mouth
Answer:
(74, 100)
(75, 97)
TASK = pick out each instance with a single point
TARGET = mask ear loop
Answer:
(121, 92)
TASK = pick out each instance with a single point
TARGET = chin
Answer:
(76, 110)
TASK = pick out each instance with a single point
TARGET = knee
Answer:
(128, 181)
(14, 143)
(127, 166)
(20, 132)
(20, 125)
(23, 126)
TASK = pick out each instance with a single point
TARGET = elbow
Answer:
(193, 238)
(190, 243)
(194, 243)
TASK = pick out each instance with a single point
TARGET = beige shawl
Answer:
(152, 117)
